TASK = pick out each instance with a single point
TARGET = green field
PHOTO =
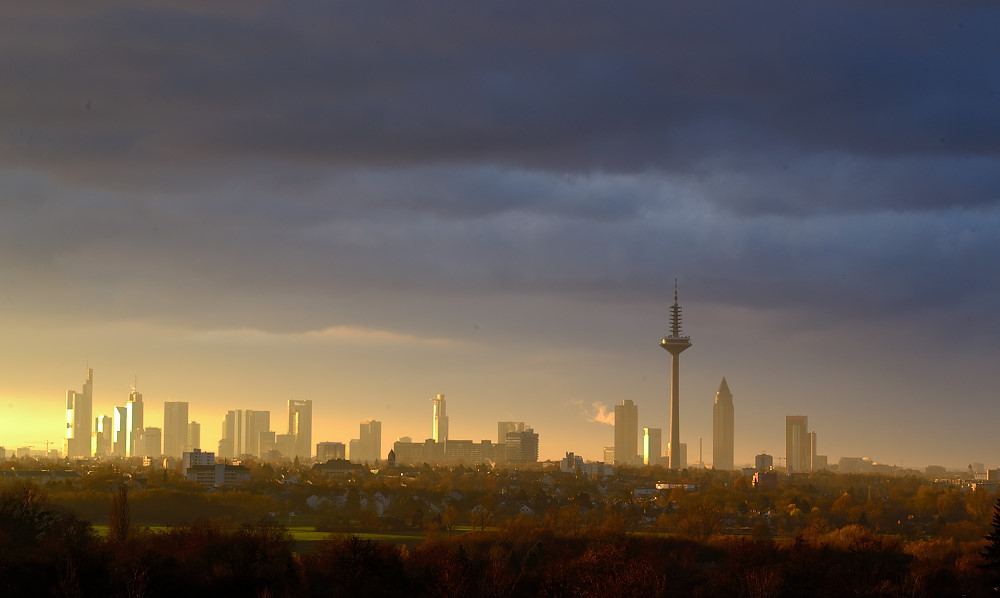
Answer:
(306, 538)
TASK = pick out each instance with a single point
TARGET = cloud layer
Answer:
(410, 174)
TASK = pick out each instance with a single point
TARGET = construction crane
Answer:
(47, 443)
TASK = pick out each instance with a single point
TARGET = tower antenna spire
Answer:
(674, 343)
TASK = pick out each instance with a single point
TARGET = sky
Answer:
(367, 204)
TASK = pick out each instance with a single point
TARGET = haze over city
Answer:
(361, 205)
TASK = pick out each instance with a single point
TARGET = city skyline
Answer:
(247, 432)
(363, 206)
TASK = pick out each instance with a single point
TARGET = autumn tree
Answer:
(121, 516)
(449, 519)
(991, 553)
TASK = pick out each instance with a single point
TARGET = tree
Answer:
(449, 518)
(991, 553)
(121, 516)
(43, 547)
(484, 512)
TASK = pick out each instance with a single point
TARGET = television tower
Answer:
(675, 344)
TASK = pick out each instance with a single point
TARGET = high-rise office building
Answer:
(103, 436)
(119, 434)
(80, 418)
(267, 445)
(369, 442)
(723, 454)
(504, 427)
(300, 426)
(674, 343)
(230, 444)
(175, 428)
(241, 432)
(763, 462)
(797, 454)
(521, 448)
(439, 424)
(326, 451)
(152, 443)
(652, 445)
(258, 423)
(133, 424)
(193, 437)
(227, 448)
(814, 460)
(626, 433)
(285, 445)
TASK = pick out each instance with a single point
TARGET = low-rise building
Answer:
(217, 476)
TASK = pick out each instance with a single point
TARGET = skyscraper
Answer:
(233, 434)
(652, 446)
(675, 344)
(521, 448)
(285, 445)
(813, 462)
(119, 436)
(257, 423)
(370, 442)
(133, 424)
(267, 445)
(326, 451)
(103, 436)
(175, 428)
(439, 425)
(230, 432)
(241, 431)
(152, 443)
(797, 453)
(722, 429)
(626, 433)
(193, 437)
(764, 462)
(80, 418)
(300, 427)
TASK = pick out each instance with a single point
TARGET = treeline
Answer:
(169, 506)
(409, 499)
(45, 550)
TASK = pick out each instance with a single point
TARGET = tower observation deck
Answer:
(675, 343)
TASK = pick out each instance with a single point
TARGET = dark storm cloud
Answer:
(192, 159)
(128, 95)
(251, 254)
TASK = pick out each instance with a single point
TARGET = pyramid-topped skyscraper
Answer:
(722, 428)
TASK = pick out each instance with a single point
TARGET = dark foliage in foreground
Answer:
(44, 551)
